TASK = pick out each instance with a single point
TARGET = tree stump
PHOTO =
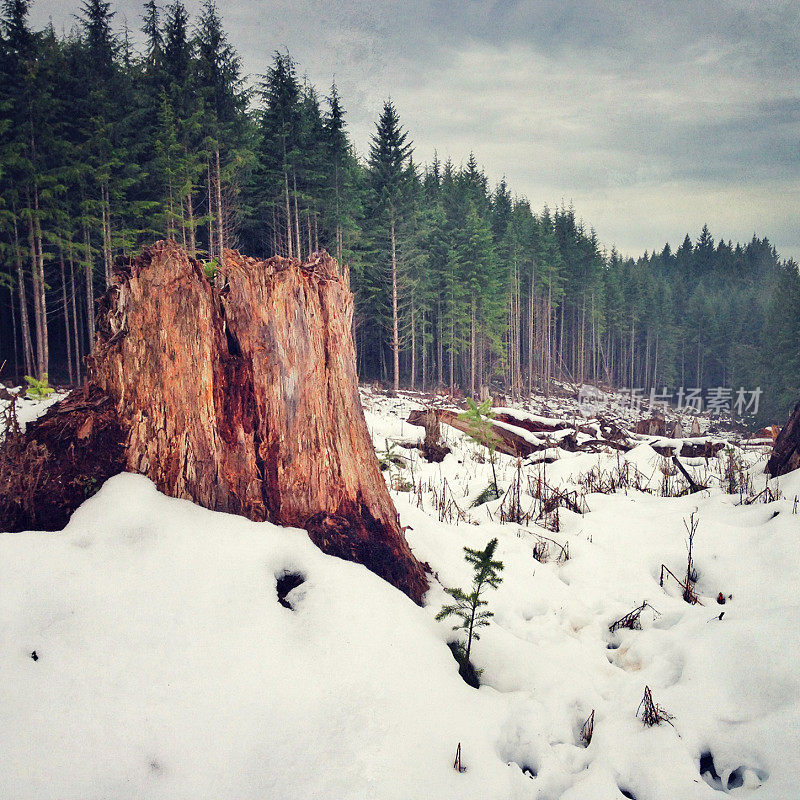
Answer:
(243, 397)
(786, 450)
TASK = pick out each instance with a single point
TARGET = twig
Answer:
(587, 731)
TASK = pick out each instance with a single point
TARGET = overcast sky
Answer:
(650, 117)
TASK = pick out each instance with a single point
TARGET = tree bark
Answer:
(245, 398)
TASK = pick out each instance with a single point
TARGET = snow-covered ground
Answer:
(167, 668)
(29, 408)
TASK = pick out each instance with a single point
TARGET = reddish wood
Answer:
(653, 426)
(508, 442)
(532, 425)
(243, 397)
(62, 458)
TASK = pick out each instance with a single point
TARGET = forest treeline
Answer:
(107, 146)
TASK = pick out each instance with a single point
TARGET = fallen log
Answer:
(528, 424)
(786, 450)
(242, 396)
(694, 486)
(508, 442)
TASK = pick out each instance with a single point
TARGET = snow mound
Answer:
(166, 667)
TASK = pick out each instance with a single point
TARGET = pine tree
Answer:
(225, 127)
(391, 174)
(469, 608)
(272, 182)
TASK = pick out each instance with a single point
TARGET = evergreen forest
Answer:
(112, 139)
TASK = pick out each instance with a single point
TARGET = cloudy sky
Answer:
(650, 117)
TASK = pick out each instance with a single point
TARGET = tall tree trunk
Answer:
(290, 248)
(89, 275)
(424, 350)
(39, 306)
(12, 303)
(413, 345)
(27, 343)
(296, 218)
(220, 221)
(190, 225)
(73, 297)
(439, 345)
(395, 322)
(211, 213)
(107, 254)
(67, 336)
(530, 338)
(472, 349)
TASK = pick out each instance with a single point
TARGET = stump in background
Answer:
(244, 398)
(786, 450)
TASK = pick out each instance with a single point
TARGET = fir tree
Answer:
(469, 608)
(391, 174)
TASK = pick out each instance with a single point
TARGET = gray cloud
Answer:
(652, 118)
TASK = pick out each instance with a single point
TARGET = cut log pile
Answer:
(241, 396)
(519, 435)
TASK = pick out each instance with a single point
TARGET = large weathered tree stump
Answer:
(786, 450)
(242, 396)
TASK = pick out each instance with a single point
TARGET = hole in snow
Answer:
(285, 584)
(736, 778)
(707, 768)
(627, 793)
(742, 776)
(470, 675)
(527, 769)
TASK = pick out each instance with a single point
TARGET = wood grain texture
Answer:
(242, 396)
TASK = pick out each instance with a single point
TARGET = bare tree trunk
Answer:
(190, 225)
(296, 218)
(89, 274)
(424, 350)
(27, 343)
(413, 345)
(220, 227)
(211, 213)
(39, 306)
(73, 296)
(530, 338)
(395, 323)
(107, 254)
(439, 345)
(67, 337)
(472, 349)
(290, 248)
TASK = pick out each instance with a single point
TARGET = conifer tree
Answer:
(391, 174)
(469, 608)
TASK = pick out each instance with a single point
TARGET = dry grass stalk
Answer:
(541, 551)
(632, 620)
(457, 765)
(652, 713)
